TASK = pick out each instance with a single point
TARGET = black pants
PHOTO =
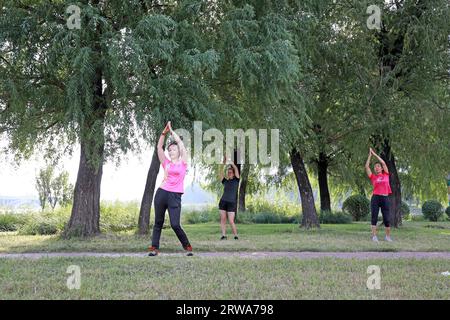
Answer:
(172, 201)
(376, 203)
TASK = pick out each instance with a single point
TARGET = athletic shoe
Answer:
(388, 239)
(223, 238)
(374, 239)
(188, 250)
(236, 238)
(152, 251)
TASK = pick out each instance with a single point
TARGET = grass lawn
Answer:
(222, 278)
(412, 236)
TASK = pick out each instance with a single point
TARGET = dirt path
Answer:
(258, 255)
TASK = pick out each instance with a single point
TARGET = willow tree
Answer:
(256, 74)
(260, 72)
(412, 90)
(336, 49)
(182, 92)
(95, 85)
(386, 88)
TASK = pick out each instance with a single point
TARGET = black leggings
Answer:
(376, 203)
(172, 201)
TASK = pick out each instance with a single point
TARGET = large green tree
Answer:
(99, 86)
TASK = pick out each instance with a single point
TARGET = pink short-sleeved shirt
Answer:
(380, 184)
(176, 172)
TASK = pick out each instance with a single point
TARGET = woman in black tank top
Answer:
(228, 201)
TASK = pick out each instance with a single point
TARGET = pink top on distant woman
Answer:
(175, 176)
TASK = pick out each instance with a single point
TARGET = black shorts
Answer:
(228, 206)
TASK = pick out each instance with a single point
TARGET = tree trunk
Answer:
(310, 219)
(396, 196)
(85, 218)
(322, 168)
(243, 188)
(448, 189)
(147, 198)
(235, 160)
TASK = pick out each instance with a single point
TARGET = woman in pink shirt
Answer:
(168, 195)
(380, 196)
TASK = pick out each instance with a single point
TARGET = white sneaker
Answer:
(374, 239)
(388, 239)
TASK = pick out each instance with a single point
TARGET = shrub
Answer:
(39, 225)
(279, 205)
(405, 210)
(432, 210)
(11, 221)
(59, 216)
(244, 217)
(289, 219)
(417, 218)
(118, 216)
(202, 216)
(447, 211)
(259, 210)
(358, 206)
(266, 218)
(329, 217)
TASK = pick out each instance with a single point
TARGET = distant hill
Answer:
(194, 195)
(14, 203)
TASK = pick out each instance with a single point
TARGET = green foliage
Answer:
(329, 217)
(118, 216)
(39, 225)
(405, 210)
(432, 210)
(418, 218)
(259, 210)
(269, 217)
(278, 205)
(53, 190)
(210, 214)
(11, 222)
(447, 211)
(358, 206)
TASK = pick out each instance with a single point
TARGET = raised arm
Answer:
(368, 171)
(181, 147)
(235, 168)
(221, 166)
(161, 154)
(383, 164)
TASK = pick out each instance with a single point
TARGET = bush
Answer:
(329, 217)
(259, 210)
(290, 219)
(270, 217)
(405, 210)
(447, 211)
(358, 206)
(39, 225)
(11, 221)
(417, 218)
(119, 216)
(59, 216)
(244, 217)
(432, 210)
(266, 218)
(279, 205)
(203, 216)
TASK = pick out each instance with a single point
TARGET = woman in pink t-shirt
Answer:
(168, 195)
(380, 195)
